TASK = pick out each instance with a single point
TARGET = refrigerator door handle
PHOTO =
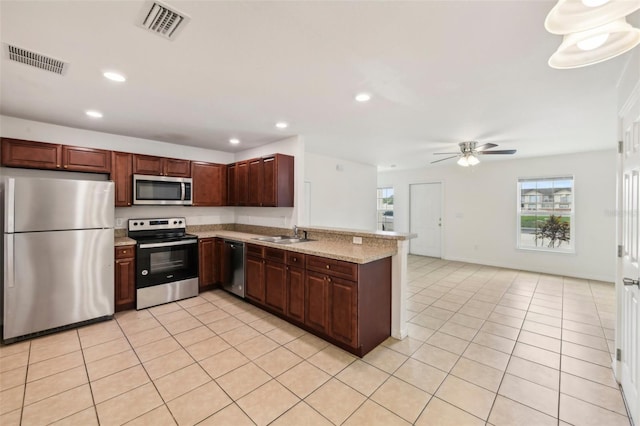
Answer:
(9, 205)
(9, 261)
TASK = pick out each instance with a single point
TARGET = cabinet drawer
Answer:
(274, 254)
(125, 252)
(296, 259)
(336, 268)
(254, 250)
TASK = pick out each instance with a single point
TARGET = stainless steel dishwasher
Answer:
(233, 267)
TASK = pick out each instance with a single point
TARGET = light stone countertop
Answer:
(124, 241)
(331, 249)
(386, 235)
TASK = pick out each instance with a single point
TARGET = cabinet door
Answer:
(269, 182)
(275, 286)
(219, 268)
(295, 293)
(209, 184)
(121, 171)
(75, 158)
(125, 278)
(316, 299)
(242, 183)
(232, 198)
(343, 310)
(175, 167)
(147, 165)
(254, 278)
(35, 155)
(206, 263)
(255, 183)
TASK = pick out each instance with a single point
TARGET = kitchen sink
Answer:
(282, 239)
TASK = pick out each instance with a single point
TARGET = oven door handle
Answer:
(172, 243)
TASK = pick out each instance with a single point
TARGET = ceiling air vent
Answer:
(160, 19)
(34, 59)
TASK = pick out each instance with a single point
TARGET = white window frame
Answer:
(566, 249)
(378, 210)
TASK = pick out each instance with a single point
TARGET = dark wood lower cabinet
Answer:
(345, 303)
(125, 278)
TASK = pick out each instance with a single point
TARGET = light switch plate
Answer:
(357, 240)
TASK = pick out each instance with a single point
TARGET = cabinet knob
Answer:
(58, 165)
(295, 259)
(329, 279)
(327, 266)
(66, 167)
(124, 251)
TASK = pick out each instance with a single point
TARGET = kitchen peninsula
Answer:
(350, 294)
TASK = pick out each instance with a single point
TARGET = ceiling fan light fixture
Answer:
(473, 160)
(462, 161)
(581, 48)
(571, 16)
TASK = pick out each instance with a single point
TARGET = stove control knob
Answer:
(135, 223)
(175, 222)
(180, 222)
(141, 223)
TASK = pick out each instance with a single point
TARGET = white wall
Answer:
(479, 212)
(342, 193)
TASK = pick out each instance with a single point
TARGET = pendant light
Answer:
(593, 30)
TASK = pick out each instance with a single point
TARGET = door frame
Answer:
(443, 221)
(632, 99)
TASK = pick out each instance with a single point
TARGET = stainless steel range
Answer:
(166, 261)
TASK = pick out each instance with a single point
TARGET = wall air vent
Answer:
(34, 59)
(162, 20)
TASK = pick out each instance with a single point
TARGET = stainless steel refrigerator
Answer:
(58, 254)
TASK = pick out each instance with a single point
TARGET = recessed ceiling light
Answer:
(363, 97)
(282, 125)
(234, 141)
(94, 114)
(114, 76)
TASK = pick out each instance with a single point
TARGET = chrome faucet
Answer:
(295, 231)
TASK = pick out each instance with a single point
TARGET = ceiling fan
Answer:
(469, 152)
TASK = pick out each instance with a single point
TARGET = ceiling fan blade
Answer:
(499, 151)
(485, 146)
(442, 159)
(446, 153)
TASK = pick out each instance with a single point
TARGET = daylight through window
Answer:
(385, 209)
(546, 214)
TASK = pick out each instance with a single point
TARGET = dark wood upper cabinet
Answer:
(121, 172)
(209, 184)
(255, 181)
(160, 166)
(29, 154)
(277, 175)
(262, 182)
(231, 185)
(242, 183)
(79, 159)
(42, 155)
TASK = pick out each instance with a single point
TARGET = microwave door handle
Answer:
(183, 188)
(169, 244)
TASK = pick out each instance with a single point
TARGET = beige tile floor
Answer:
(486, 346)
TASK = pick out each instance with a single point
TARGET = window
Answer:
(385, 209)
(546, 214)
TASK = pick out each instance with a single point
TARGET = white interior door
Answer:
(629, 269)
(426, 219)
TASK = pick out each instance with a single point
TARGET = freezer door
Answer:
(52, 279)
(35, 204)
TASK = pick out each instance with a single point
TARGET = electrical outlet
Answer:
(119, 222)
(357, 240)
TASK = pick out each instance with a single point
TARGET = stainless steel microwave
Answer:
(161, 190)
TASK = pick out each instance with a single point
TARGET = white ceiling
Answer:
(440, 72)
